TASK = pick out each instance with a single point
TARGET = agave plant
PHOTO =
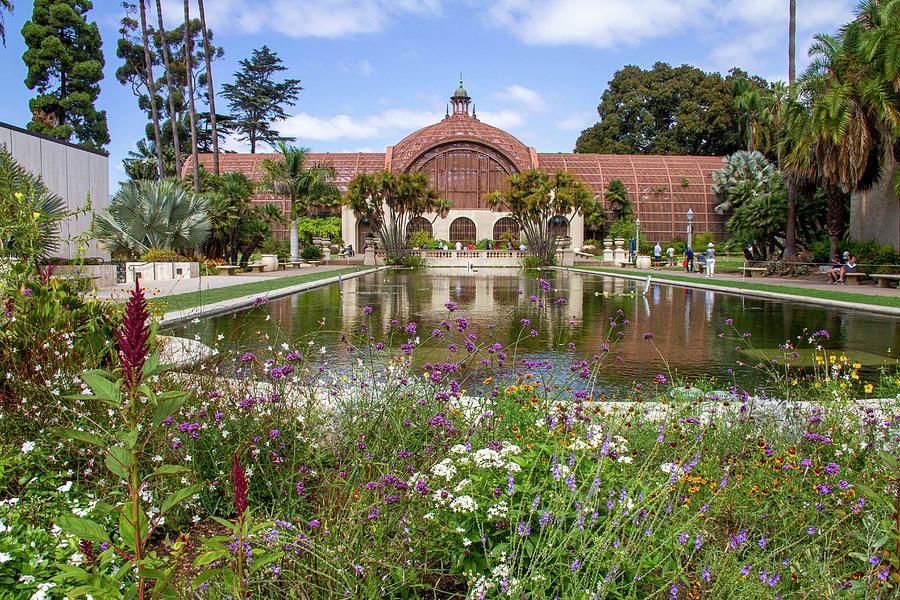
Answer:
(145, 215)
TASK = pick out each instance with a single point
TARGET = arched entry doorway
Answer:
(505, 229)
(462, 229)
(559, 226)
(418, 224)
(364, 229)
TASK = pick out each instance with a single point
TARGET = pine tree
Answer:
(65, 66)
(257, 100)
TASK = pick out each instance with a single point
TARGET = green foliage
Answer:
(158, 255)
(258, 101)
(40, 310)
(5, 5)
(616, 198)
(311, 253)
(535, 198)
(30, 214)
(666, 110)
(145, 215)
(414, 262)
(533, 262)
(238, 227)
(744, 176)
(390, 201)
(420, 238)
(873, 257)
(324, 227)
(65, 65)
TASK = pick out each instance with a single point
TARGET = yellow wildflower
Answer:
(869, 387)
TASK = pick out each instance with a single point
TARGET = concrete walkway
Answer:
(162, 289)
(818, 283)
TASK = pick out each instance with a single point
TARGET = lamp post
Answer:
(637, 237)
(690, 226)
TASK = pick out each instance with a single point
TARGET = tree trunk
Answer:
(836, 208)
(190, 90)
(210, 89)
(790, 228)
(792, 38)
(170, 87)
(151, 88)
(295, 241)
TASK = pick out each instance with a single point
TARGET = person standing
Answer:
(657, 255)
(689, 260)
(710, 260)
(670, 253)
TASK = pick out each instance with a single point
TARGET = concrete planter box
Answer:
(101, 276)
(161, 271)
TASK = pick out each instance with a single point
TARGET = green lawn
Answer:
(194, 299)
(827, 294)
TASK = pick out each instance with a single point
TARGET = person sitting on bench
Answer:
(850, 266)
(834, 274)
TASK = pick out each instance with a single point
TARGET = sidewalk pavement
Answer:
(818, 281)
(162, 289)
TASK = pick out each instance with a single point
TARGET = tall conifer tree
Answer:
(65, 67)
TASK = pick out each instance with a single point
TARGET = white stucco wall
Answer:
(78, 176)
(484, 225)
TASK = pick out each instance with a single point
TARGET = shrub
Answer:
(414, 262)
(159, 255)
(311, 253)
(421, 238)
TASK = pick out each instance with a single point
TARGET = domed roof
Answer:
(459, 127)
(460, 91)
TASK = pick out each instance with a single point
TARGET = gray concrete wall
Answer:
(79, 176)
(875, 213)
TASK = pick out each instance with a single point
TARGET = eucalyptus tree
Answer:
(170, 86)
(391, 201)
(304, 185)
(5, 6)
(210, 87)
(151, 88)
(192, 111)
(535, 198)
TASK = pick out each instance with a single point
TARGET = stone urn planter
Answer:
(642, 262)
(270, 262)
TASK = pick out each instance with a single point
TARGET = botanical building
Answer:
(466, 158)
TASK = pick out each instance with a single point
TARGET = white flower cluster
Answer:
(487, 459)
(444, 469)
(464, 504)
(498, 511)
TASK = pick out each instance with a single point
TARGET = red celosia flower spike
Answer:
(240, 487)
(134, 336)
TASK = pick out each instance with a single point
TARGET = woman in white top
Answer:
(710, 260)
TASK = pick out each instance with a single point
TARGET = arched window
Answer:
(506, 225)
(418, 224)
(559, 226)
(462, 229)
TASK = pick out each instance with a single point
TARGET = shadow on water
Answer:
(686, 323)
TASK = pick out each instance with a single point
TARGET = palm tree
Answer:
(616, 197)
(189, 76)
(170, 87)
(210, 88)
(303, 185)
(145, 215)
(792, 40)
(5, 5)
(151, 88)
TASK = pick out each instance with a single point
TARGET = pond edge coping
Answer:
(875, 308)
(231, 305)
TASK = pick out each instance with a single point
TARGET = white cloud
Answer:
(365, 68)
(306, 127)
(528, 98)
(597, 23)
(309, 18)
(503, 119)
(577, 121)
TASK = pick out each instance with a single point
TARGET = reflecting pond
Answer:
(687, 324)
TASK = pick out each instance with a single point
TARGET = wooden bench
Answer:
(749, 271)
(256, 267)
(884, 280)
(228, 269)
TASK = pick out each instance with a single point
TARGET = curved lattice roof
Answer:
(459, 127)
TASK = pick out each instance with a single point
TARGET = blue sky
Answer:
(375, 70)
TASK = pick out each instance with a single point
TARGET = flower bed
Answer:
(267, 473)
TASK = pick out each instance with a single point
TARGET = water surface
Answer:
(687, 324)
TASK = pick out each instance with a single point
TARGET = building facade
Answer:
(78, 175)
(465, 159)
